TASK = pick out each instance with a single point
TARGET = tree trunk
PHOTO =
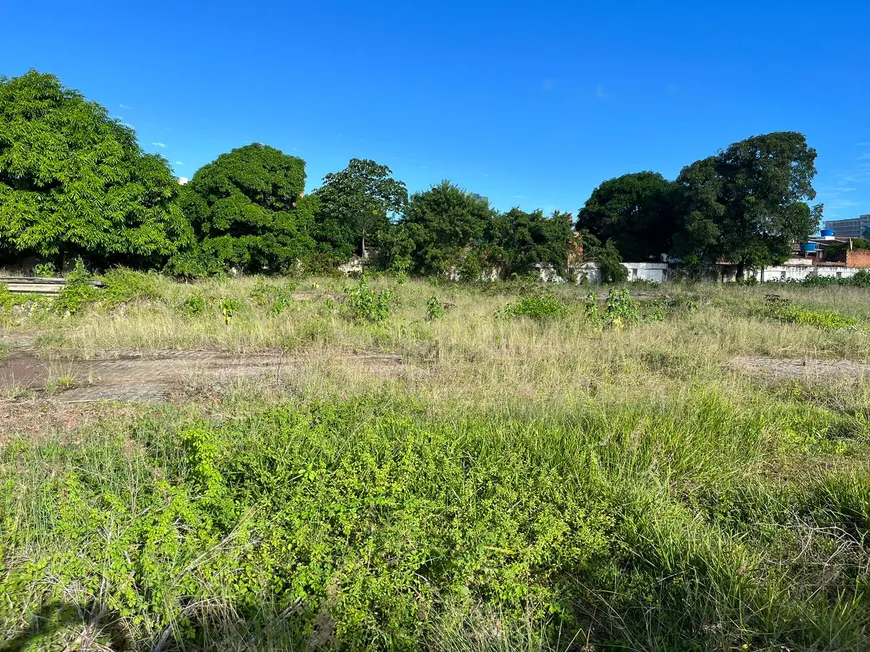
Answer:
(363, 246)
(741, 270)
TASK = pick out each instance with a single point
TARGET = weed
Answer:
(192, 305)
(366, 304)
(44, 270)
(123, 286)
(544, 306)
(77, 292)
(434, 308)
(229, 308)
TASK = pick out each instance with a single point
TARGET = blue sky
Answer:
(530, 104)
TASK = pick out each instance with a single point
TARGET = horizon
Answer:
(531, 108)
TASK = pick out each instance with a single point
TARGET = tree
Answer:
(637, 212)
(748, 204)
(75, 183)
(444, 224)
(607, 256)
(355, 205)
(249, 211)
(517, 241)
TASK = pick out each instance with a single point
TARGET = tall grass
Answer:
(525, 484)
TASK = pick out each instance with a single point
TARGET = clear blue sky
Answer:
(530, 104)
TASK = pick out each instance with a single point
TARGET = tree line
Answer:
(75, 184)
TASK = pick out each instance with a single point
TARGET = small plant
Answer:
(434, 308)
(620, 312)
(590, 309)
(621, 309)
(229, 307)
(193, 305)
(366, 304)
(44, 270)
(544, 306)
(77, 291)
(60, 384)
(4, 349)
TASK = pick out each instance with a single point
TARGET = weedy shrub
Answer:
(276, 298)
(77, 291)
(786, 311)
(121, 286)
(367, 304)
(44, 270)
(229, 308)
(434, 308)
(544, 306)
(192, 305)
(621, 311)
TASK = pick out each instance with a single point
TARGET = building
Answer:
(851, 228)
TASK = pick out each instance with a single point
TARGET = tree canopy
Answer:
(355, 206)
(75, 183)
(748, 203)
(248, 210)
(637, 212)
(442, 225)
(517, 241)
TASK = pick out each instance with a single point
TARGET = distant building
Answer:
(851, 228)
(479, 198)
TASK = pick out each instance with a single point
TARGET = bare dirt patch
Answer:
(800, 368)
(131, 377)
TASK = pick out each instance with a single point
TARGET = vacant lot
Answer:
(333, 464)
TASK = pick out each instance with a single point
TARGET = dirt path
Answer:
(800, 369)
(151, 379)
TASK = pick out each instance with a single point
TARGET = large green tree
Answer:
(749, 203)
(517, 241)
(636, 212)
(75, 183)
(356, 205)
(249, 211)
(443, 226)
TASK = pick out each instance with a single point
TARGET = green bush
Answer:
(544, 306)
(192, 305)
(366, 304)
(77, 291)
(121, 286)
(434, 308)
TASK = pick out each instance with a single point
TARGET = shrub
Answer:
(122, 286)
(434, 308)
(76, 292)
(44, 270)
(229, 307)
(544, 306)
(366, 304)
(193, 305)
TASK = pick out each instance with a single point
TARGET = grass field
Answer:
(539, 471)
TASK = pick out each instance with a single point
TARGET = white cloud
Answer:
(179, 163)
(124, 106)
(183, 180)
(158, 144)
(602, 94)
(864, 156)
